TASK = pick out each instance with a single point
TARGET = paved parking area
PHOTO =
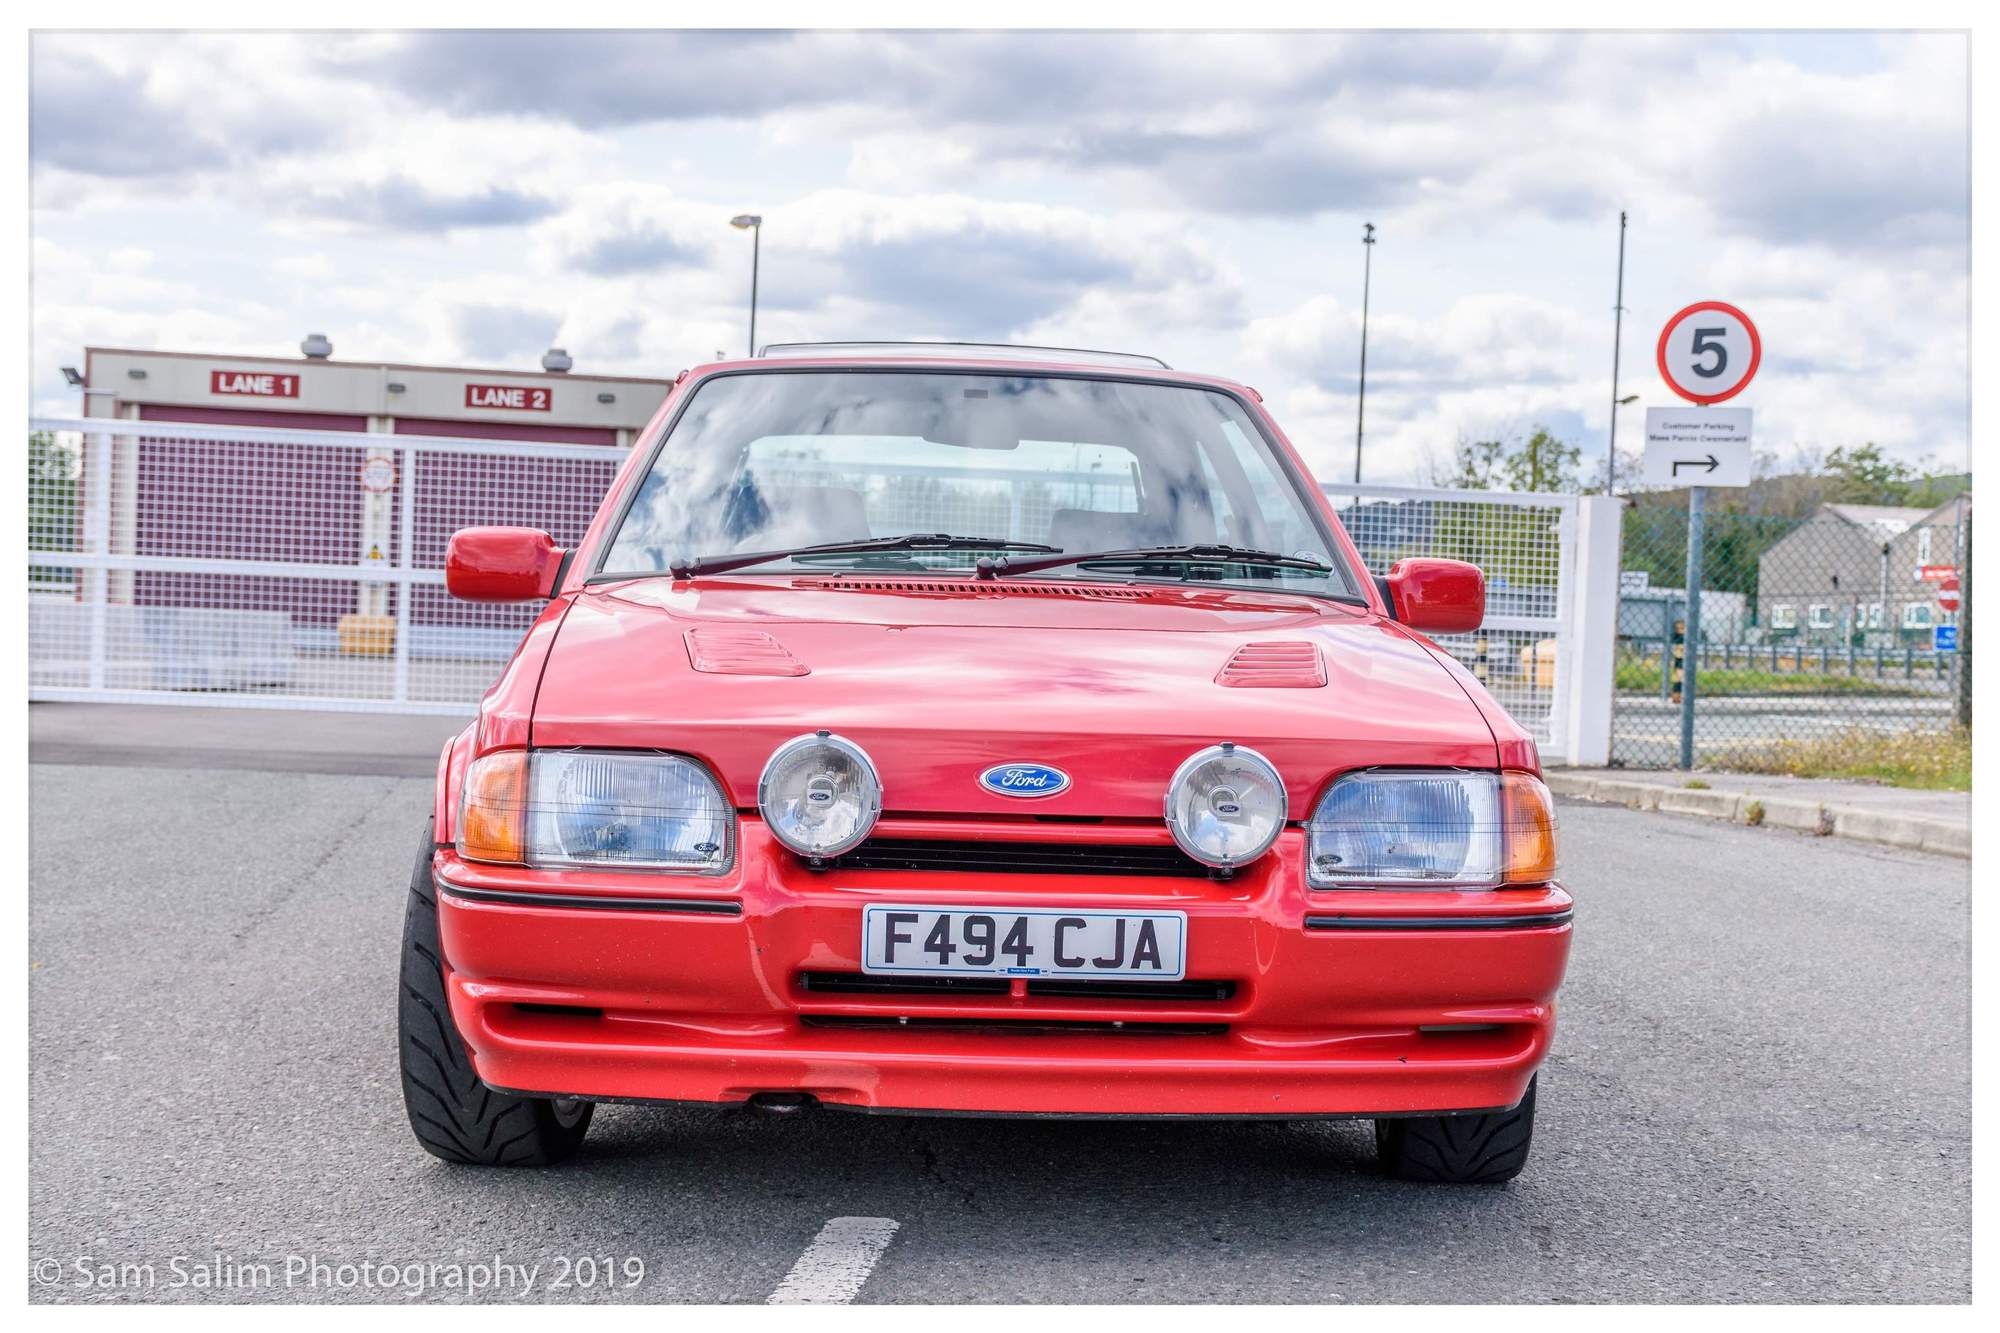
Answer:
(1760, 1091)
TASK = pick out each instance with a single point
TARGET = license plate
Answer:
(1006, 941)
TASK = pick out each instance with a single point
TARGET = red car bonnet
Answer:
(939, 680)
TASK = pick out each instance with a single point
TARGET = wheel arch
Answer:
(452, 760)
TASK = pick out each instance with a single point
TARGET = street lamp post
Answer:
(1617, 339)
(755, 225)
(1612, 447)
(1361, 401)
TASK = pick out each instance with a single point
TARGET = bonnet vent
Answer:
(740, 652)
(1293, 665)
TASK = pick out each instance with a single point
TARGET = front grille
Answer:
(864, 983)
(1133, 990)
(1015, 1027)
(969, 856)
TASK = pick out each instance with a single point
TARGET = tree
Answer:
(1861, 475)
(1542, 463)
(1475, 465)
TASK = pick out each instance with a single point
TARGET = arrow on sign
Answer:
(1709, 466)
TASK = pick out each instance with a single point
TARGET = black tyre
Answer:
(454, 1115)
(1458, 1149)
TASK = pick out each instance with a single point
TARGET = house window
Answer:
(1874, 615)
(1916, 615)
(1784, 617)
(1820, 616)
(1923, 546)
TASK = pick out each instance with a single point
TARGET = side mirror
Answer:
(501, 564)
(1437, 596)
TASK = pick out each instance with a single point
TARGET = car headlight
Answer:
(1226, 805)
(624, 810)
(1432, 829)
(819, 794)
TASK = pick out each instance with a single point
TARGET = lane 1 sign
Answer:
(253, 383)
(1709, 352)
(1697, 446)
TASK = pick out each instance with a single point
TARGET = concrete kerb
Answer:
(1817, 818)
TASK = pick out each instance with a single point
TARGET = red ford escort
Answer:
(937, 729)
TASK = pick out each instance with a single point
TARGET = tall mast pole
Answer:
(756, 246)
(1617, 343)
(1361, 402)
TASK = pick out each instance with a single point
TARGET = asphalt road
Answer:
(1760, 1091)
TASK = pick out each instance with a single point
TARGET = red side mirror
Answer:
(1437, 596)
(501, 564)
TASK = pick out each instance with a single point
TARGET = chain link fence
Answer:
(1833, 628)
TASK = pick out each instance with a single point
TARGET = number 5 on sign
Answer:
(1709, 352)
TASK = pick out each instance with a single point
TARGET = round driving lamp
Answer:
(819, 795)
(1226, 806)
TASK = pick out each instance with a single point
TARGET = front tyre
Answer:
(1458, 1149)
(454, 1115)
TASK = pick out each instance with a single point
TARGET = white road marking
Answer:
(839, 1260)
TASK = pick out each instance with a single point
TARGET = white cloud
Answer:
(464, 195)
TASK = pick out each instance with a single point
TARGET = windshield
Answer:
(773, 461)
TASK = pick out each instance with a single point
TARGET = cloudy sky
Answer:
(475, 198)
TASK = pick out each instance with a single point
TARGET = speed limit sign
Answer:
(1709, 351)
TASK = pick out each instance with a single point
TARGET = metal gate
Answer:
(1525, 652)
(261, 567)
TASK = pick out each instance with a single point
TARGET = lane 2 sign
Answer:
(510, 397)
(253, 384)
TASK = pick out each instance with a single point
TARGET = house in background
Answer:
(1851, 574)
(1935, 539)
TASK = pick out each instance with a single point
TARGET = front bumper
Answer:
(649, 987)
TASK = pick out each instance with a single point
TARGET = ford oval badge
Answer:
(1025, 780)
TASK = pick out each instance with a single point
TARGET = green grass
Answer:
(1643, 674)
(1935, 760)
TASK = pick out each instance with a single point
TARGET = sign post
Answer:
(1707, 353)
(1964, 645)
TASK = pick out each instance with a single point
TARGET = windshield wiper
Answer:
(912, 541)
(1197, 553)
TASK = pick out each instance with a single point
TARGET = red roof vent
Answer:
(1286, 665)
(740, 652)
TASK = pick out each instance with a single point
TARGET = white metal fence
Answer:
(1529, 650)
(264, 567)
